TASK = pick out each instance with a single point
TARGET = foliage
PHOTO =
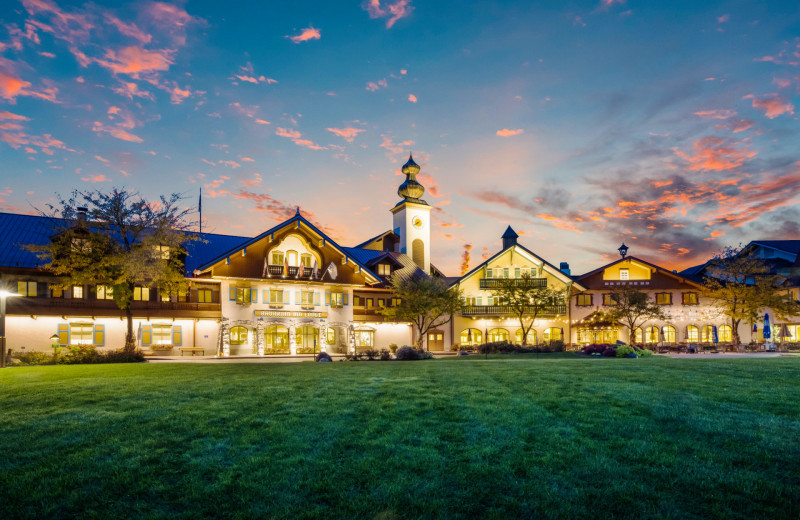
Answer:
(525, 300)
(34, 358)
(125, 241)
(386, 355)
(426, 302)
(323, 355)
(633, 308)
(624, 351)
(506, 347)
(644, 352)
(741, 287)
(407, 353)
(81, 355)
(595, 349)
(393, 348)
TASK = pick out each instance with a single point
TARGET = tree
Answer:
(741, 287)
(526, 300)
(121, 242)
(424, 301)
(633, 308)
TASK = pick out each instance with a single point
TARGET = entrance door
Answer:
(435, 340)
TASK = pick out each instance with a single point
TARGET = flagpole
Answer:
(200, 209)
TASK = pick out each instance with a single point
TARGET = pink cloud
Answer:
(393, 12)
(309, 33)
(254, 181)
(772, 104)
(291, 134)
(412, 98)
(782, 82)
(96, 178)
(347, 133)
(296, 138)
(13, 117)
(740, 125)
(724, 18)
(231, 164)
(137, 60)
(715, 154)
(47, 54)
(130, 89)
(117, 132)
(505, 132)
(248, 159)
(392, 147)
(373, 86)
(262, 122)
(715, 114)
(128, 29)
(11, 87)
(101, 159)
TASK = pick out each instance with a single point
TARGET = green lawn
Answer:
(516, 437)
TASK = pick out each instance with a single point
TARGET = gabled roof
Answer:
(787, 246)
(652, 266)
(553, 269)
(297, 218)
(405, 267)
(510, 233)
(375, 238)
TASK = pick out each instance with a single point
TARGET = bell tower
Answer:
(412, 218)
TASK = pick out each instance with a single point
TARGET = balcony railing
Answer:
(505, 310)
(291, 272)
(85, 306)
(495, 283)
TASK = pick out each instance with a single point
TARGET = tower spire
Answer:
(411, 190)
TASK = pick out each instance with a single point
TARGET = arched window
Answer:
(418, 252)
(669, 334)
(651, 335)
(307, 337)
(531, 337)
(638, 337)
(552, 334)
(238, 336)
(498, 335)
(692, 333)
(291, 258)
(708, 334)
(277, 338)
(470, 337)
(725, 333)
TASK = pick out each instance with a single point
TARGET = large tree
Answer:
(120, 242)
(527, 300)
(741, 286)
(424, 301)
(633, 308)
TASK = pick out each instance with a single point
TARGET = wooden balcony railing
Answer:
(292, 272)
(505, 310)
(494, 283)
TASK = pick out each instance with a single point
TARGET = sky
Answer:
(671, 126)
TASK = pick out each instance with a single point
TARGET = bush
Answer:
(393, 348)
(369, 355)
(386, 355)
(645, 352)
(35, 358)
(610, 351)
(407, 353)
(323, 355)
(624, 350)
(595, 349)
(305, 350)
(555, 346)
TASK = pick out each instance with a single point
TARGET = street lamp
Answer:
(623, 250)
(3, 295)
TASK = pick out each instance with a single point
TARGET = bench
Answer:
(193, 350)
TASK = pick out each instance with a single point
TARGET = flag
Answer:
(264, 271)
(301, 271)
(316, 269)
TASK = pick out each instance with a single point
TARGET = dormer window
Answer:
(624, 274)
(384, 269)
(277, 258)
(305, 260)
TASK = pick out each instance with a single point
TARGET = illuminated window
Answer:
(330, 336)
(664, 298)
(531, 338)
(238, 336)
(277, 337)
(306, 337)
(56, 292)
(498, 335)
(81, 334)
(163, 252)
(471, 337)
(337, 299)
(609, 299)
(305, 259)
(81, 245)
(27, 288)
(364, 338)
(669, 334)
(77, 291)
(277, 258)
(623, 274)
(638, 335)
(141, 294)
(552, 334)
(307, 298)
(690, 298)
(505, 272)
(489, 272)
(707, 334)
(692, 333)
(517, 272)
(358, 301)
(384, 269)
(651, 335)
(725, 333)
(276, 296)
(204, 296)
(584, 300)
(162, 334)
(105, 292)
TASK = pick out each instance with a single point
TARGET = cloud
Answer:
(130, 90)
(8, 116)
(231, 164)
(740, 125)
(262, 122)
(291, 134)
(716, 154)
(248, 159)
(117, 132)
(394, 148)
(505, 132)
(296, 138)
(772, 104)
(128, 29)
(391, 11)
(373, 86)
(412, 98)
(715, 114)
(309, 33)
(135, 61)
(277, 210)
(247, 74)
(724, 18)
(11, 87)
(102, 159)
(348, 133)
(96, 178)
(254, 181)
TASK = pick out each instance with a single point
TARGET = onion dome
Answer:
(411, 190)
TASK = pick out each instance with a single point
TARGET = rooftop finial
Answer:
(411, 190)
(297, 213)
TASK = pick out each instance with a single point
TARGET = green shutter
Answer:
(99, 335)
(63, 333)
(146, 335)
(177, 335)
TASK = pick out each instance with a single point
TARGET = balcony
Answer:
(495, 283)
(291, 272)
(371, 314)
(106, 308)
(505, 310)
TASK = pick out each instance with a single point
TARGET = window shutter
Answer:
(254, 295)
(41, 289)
(286, 297)
(146, 335)
(100, 335)
(327, 298)
(177, 335)
(344, 298)
(232, 294)
(266, 295)
(316, 298)
(63, 333)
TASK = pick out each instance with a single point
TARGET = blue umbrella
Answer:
(767, 331)
(714, 335)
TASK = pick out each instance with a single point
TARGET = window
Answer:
(517, 272)
(276, 297)
(384, 269)
(238, 336)
(651, 335)
(163, 252)
(204, 296)
(692, 333)
(81, 333)
(707, 334)
(141, 294)
(396, 301)
(690, 298)
(307, 298)
(669, 334)
(337, 299)
(624, 274)
(306, 337)
(638, 335)
(81, 245)
(77, 291)
(609, 299)
(498, 335)
(277, 338)
(531, 338)
(105, 292)
(330, 336)
(664, 298)
(471, 337)
(489, 272)
(364, 338)
(56, 292)
(162, 334)
(726, 334)
(358, 301)
(505, 272)
(552, 334)
(305, 260)
(27, 288)
(241, 295)
(584, 300)
(277, 258)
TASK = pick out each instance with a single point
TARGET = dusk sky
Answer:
(670, 125)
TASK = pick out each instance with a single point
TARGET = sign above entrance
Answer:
(290, 314)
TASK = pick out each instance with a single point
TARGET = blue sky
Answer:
(671, 126)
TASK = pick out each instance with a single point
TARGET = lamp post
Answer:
(3, 295)
(623, 250)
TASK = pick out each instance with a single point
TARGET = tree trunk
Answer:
(130, 339)
(524, 332)
(735, 339)
(420, 337)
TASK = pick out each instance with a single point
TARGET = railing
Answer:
(371, 314)
(289, 272)
(496, 283)
(85, 306)
(505, 310)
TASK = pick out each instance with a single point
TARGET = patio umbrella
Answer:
(714, 335)
(767, 330)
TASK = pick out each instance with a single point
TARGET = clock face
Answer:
(417, 222)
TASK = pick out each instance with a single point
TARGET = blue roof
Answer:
(363, 255)
(17, 231)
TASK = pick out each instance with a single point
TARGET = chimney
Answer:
(509, 238)
(81, 213)
(564, 268)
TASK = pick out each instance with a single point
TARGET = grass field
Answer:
(461, 438)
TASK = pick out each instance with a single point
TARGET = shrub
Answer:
(35, 358)
(424, 354)
(393, 348)
(624, 350)
(645, 352)
(610, 351)
(305, 350)
(407, 353)
(595, 348)
(386, 355)
(555, 346)
(323, 355)
(370, 355)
